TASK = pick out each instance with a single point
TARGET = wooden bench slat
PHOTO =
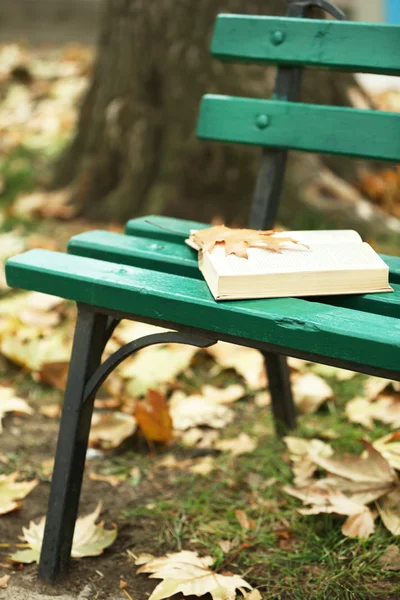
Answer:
(306, 127)
(359, 47)
(176, 230)
(329, 331)
(179, 259)
(162, 228)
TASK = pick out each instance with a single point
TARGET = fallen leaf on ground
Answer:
(353, 483)
(33, 352)
(187, 573)
(54, 373)
(39, 310)
(110, 429)
(371, 469)
(389, 511)
(310, 391)
(360, 525)
(334, 372)
(301, 453)
(237, 241)
(375, 386)
(326, 499)
(113, 480)
(54, 204)
(89, 539)
(4, 581)
(194, 410)
(389, 447)
(9, 402)
(226, 545)
(262, 399)
(52, 411)
(154, 367)
(363, 411)
(249, 363)
(11, 491)
(152, 416)
(253, 595)
(203, 466)
(238, 445)
(226, 395)
(201, 438)
(245, 521)
(390, 559)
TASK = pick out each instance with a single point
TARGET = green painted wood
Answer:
(162, 228)
(361, 47)
(179, 259)
(148, 253)
(292, 125)
(336, 332)
(393, 263)
(175, 230)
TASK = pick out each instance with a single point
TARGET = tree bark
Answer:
(135, 149)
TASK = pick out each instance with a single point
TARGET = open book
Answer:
(335, 262)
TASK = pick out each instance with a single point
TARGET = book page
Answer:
(336, 236)
(295, 259)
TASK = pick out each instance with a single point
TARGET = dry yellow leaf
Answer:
(241, 444)
(249, 363)
(89, 539)
(389, 511)
(110, 429)
(310, 392)
(190, 575)
(237, 241)
(113, 480)
(194, 410)
(11, 491)
(9, 402)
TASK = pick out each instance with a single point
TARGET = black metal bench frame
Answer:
(95, 326)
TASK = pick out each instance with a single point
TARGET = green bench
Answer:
(148, 274)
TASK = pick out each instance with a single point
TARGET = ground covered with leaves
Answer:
(198, 496)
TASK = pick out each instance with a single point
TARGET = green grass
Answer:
(316, 561)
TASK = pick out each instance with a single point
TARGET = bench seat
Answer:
(304, 328)
(169, 254)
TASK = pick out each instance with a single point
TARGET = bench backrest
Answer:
(282, 124)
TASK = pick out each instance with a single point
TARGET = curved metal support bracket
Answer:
(298, 8)
(108, 366)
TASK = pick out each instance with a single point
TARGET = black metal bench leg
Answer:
(283, 406)
(88, 346)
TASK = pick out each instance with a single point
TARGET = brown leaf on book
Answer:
(237, 241)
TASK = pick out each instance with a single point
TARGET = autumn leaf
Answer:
(363, 411)
(353, 483)
(153, 417)
(236, 241)
(9, 402)
(372, 468)
(389, 447)
(89, 539)
(241, 444)
(301, 452)
(110, 429)
(390, 559)
(389, 511)
(187, 573)
(194, 410)
(155, 366)
(11, 491)
(310, 391)
(249, 363)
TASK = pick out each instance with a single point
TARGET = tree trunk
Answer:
(135, 150)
